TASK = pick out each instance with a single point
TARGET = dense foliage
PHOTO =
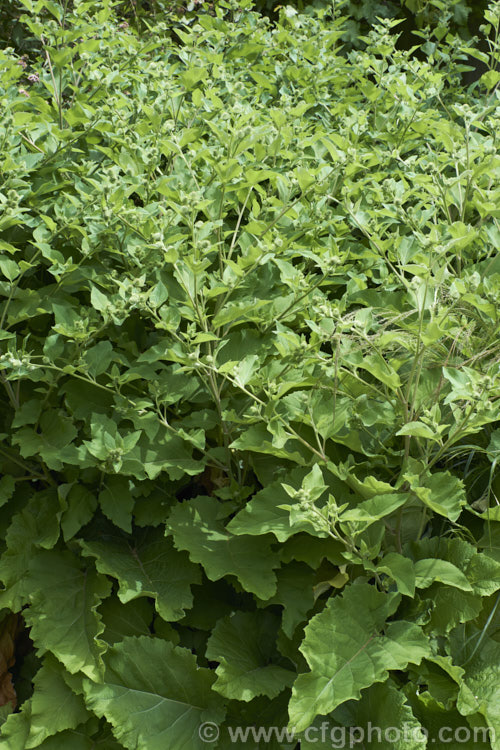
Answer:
(250, 361)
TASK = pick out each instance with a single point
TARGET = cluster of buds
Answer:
(16, 361)
(33, 78)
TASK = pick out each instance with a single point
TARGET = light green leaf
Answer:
(452, 606)
(258, 439)
(490, 79)
(263, 514)
(375, 508)
(418, 429)
(245, 369)
(401, 569)
(98, 357)
(483, 573)
(480, 692)
(442, 492)
(429, 570)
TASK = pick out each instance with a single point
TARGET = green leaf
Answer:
(244, 645)
(98, 357)
(263, 514)
(399, 568)
(483, 573)
(375, 508)
(117, 502)
(452, 606)
(28, 413)
(121, 620)
(490, 78)
(7, 487)
(373, 719)
(147, 565)
(99, 300)
(154, 695)
(312, 550)
(51, 444)
(418, 429)
(295, 593)
(350, 646)
(192, 77)
(429, 570)
(53, 708)
(442, 492)
(480, 691)
(258, 439)
(81, 505)
(62, 614)
(245, 369)
(197, 526)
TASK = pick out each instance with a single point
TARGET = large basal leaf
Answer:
(53, 708)
(483, 573)
(117, 502)
(271, 724)
(121, 620)
(148, 565)
(381, 718)
(197, 526)
(244, 645)
(36, 525)
(63, 617)
(295, 593)
(154, 695)
(451, 606)
(349, 646)
(383, 707)
(480, 692)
